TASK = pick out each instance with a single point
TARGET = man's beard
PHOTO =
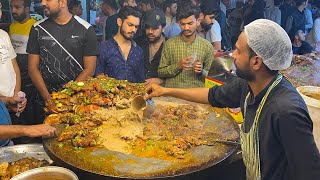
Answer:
(205, 27)
(123, 33)
(189, 34)
(156, 39)
(20, 17)
(52, 14)
(244, 74)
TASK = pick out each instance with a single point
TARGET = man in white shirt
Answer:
(214, 35)
(208, 27)
(10, 74)
(10, 80)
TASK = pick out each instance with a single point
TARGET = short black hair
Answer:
(146, 2)
(26, 3)
(128, 11)
(187, 10)
(278, 2)
(299, 2)
(73, 3)
(209, 7)
(168, 3)
(112, 3)
(293, 32)
(121, 2)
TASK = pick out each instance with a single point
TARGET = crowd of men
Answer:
(166, 44)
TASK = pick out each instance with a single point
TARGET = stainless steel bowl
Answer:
(47, 173)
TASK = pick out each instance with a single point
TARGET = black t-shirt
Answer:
(111, 26)
(22, 60)
(150, 67)
(56, 66)
(305, 48)
(287, 147)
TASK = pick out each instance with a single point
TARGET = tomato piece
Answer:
(106, 100)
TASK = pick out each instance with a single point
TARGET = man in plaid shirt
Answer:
(187, 57)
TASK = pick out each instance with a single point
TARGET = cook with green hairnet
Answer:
(276, 137)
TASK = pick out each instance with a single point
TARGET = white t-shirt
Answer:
(7, 73)
(214, 34)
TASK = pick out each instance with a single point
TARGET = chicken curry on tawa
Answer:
(97, 113)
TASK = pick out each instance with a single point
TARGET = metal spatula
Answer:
(213, 142)
(211, 138)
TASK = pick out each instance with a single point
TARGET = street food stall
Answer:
(98, 134)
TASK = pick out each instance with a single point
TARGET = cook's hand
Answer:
(197, 67)
(43, 130)
(13, 101)
(184, 64)
(154, 90)
(154, 81)
(47, 98)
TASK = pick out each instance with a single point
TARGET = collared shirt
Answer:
(287, 147)
(112, 62)
(174, 51)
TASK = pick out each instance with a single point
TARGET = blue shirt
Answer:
(172, 30)
(4, 120)
(112, 62)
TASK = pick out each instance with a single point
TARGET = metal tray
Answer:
(14, 153)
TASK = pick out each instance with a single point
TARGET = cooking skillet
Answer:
(101, 163)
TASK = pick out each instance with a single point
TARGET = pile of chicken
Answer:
(96, 92)
(175, 129)
(9, 170)
(304, 70)
(85, 106)
(75, 104)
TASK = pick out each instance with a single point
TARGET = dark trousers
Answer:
(33, 113)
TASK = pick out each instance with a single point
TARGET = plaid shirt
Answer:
(176, 49)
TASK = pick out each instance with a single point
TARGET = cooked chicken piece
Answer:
(25, 164)
(4, 173)
(88, 140)
(67, 118)
(70, 133)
